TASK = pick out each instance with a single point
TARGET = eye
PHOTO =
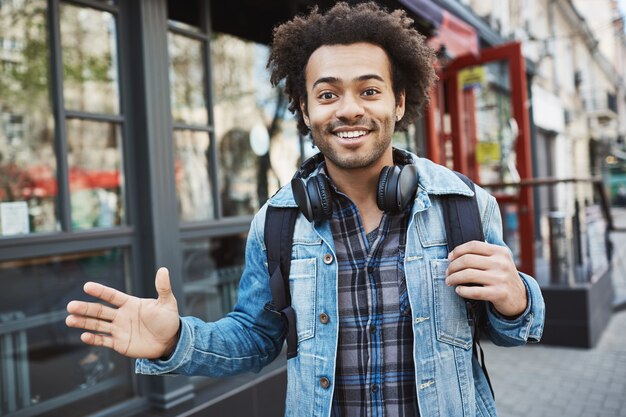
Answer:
(326, 95)
(370, 92)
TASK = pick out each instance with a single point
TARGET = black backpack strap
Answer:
(279, 226)
(462, 217)
(463, 224)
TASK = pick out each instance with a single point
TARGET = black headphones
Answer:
(396, 187)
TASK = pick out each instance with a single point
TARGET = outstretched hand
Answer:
(135, 327)
(483, 271)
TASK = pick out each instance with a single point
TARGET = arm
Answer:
(515, 306)
(246, 339)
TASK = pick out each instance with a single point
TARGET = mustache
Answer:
(364, 122)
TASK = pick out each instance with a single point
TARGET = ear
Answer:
(305, 114)
(400, 102)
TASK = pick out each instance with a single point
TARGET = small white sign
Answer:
(14, 218)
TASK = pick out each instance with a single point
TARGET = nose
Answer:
(349, 108)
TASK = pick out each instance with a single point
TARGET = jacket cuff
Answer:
(175, 360)
(528, 326)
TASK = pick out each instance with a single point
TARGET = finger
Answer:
(94, 325)
(469, 261)
(96, 310)
(473, 292)
(97, 340)
(108, 294)
(163, 286)
(475, 247)
(467, 277)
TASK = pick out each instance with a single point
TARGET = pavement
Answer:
(553, 381)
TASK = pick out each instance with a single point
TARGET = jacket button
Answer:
(323, 318)
(328, 259)
(324, 382)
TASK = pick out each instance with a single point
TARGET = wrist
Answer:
(170, 346)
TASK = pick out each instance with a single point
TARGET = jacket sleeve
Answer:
(528, 327)
(244, 340)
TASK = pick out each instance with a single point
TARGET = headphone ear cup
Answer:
(387, 193)
(324, 207)
(299, 188)
(396, 187)
(408, 180)
(382, 185)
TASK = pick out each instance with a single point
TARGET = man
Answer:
(382, 325)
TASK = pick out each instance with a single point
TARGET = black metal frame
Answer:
(149, 237)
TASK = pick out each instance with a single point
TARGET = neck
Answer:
(360, 185)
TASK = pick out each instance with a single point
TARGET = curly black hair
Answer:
(412, 60)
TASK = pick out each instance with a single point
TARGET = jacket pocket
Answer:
(451, 321)
(303, 295)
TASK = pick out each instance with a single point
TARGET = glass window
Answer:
(193, 188)
(496, 130)
(257, 141)
(212, 269)
(95, 171)
(187, 80)
(88, 46)
(28, 183)
(46, 369)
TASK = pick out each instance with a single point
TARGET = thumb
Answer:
(163, 286)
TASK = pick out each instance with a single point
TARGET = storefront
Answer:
(133, 135)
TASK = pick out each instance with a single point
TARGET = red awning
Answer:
(457, 37)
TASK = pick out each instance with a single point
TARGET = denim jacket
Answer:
(449, 380)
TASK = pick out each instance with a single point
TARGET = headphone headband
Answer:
(396, 187)
(400, 157)
(309, 166)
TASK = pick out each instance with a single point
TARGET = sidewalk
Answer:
(549, 381)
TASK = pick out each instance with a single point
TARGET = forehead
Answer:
(347, 62)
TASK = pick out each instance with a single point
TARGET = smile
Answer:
(351, 134)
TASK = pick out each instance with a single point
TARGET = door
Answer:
(478, 124)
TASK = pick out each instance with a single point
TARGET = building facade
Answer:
(576, 92)
(145, 133)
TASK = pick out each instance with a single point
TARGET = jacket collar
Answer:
(433, 179)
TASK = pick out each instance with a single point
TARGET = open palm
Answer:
(135, 327)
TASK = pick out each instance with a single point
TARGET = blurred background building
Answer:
(145, 133)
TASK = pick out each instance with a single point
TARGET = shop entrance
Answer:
(478, 124)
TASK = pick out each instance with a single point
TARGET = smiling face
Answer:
(351, 108)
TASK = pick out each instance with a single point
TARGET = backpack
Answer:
(462, 222)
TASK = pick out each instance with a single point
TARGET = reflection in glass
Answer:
(89, 53)
(96, 179)
(193, 186)
(212, 269)
(45, 362)
(28, 184)
(495, 126)
(187, 80)
(258, 143)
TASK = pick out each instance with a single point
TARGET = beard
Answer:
(322, 137)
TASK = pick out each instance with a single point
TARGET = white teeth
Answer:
(351, 134)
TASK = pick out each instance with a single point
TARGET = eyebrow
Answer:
(335, 80)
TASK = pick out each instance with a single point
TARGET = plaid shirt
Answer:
(375, 373)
